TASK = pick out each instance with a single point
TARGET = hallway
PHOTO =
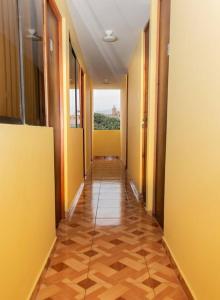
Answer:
(109, 248)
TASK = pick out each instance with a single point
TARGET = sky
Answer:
(105, 99)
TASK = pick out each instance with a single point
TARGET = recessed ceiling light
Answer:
(106, 81)
(110, 37)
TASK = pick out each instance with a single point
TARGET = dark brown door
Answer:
(164, 38)
(54, 107)
(145, 109)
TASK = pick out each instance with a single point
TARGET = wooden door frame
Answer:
(145, 111)
(126, 154)
(82, 98)
(156, 125)
(91, 122)
(58, 16)
(157, 101)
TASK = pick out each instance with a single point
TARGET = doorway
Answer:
(163, 69)
(106, 138)
(54, 107)
(145, 109)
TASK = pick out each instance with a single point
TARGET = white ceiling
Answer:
(92, 17)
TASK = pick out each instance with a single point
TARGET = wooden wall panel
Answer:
(32, 18)
(9, 60)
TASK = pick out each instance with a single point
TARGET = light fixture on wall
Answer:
(109, 37)
(32, 35)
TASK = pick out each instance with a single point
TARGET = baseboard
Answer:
(88, 172)
(149, 212)
(182, 279)
(75, 201)
(137, 195)
(122, 163)
(43, 269)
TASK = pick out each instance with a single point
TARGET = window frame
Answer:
(78, 86)
(41, 121)
(108, 116)
(74, 55)
(21, 119)
(78, 95)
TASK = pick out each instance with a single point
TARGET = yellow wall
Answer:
(152, 106)
(27, 187)
(68, 28)
(135, 112)
(88, 124)
(26, 207)
(192, 197)
(106, 143)
(73, 137)
(123, 120)
(75, 163)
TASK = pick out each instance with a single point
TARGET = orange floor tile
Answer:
(110, 248)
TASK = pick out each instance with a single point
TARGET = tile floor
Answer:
(109, 248)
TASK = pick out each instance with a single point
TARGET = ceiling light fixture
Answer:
(106, 81)
(109, 37)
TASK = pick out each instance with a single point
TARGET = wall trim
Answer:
(75, 200)
(123, 165)
(185, 285)
(88, 171)
(35, 288)
(149, 212)
(138, 195)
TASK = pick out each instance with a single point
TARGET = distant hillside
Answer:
(102, 122)
(104, 112)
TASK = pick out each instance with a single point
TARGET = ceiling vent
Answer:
(109, 37)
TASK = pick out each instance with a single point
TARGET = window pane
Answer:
(107, 109)
(72, 88)
(78, 95)
(10, 110)
(32, 41)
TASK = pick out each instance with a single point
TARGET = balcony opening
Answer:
(106, 123)
(107, 109)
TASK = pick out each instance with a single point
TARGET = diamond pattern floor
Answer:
(110, 248)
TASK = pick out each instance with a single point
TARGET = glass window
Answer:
(78, 95)
(107, 109)
(32, 56)
(10, 95)
(72, 88)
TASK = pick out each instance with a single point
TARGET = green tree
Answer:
(103, 122)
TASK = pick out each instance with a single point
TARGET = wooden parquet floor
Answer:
(109, 248)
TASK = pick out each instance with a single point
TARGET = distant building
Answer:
(110, 113)
(115, 112)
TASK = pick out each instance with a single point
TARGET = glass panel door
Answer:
(32, 55)
(10, 84)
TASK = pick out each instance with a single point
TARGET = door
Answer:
(54, 101)
(163, 68)
(145, 110)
